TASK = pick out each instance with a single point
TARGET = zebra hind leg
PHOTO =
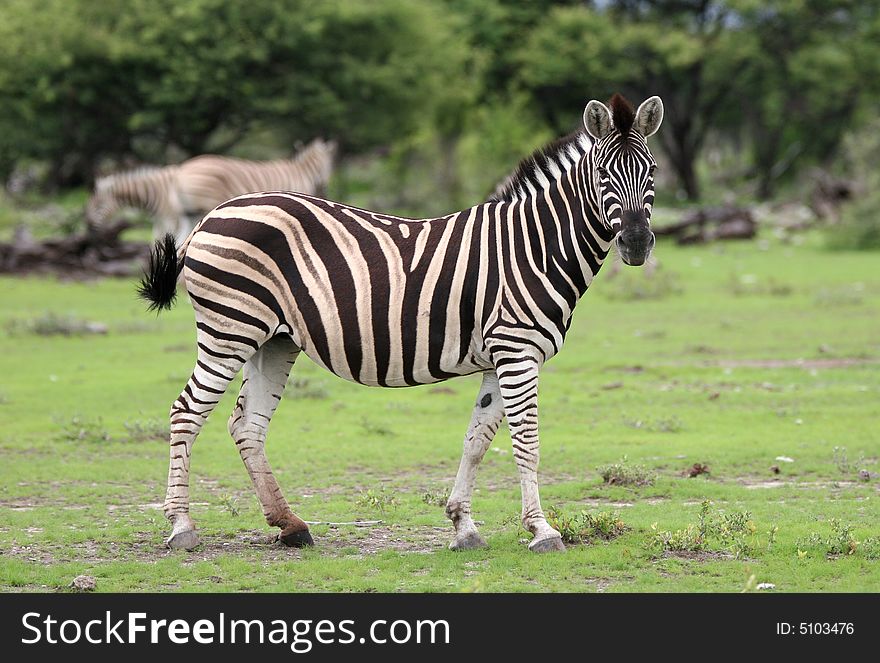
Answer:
(485, 420)
(209, 380)
(264, 377)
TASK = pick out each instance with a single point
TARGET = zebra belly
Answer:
(393, 373)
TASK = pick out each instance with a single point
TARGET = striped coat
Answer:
(179, 195)
(388, 301)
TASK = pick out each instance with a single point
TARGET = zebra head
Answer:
(620, 171)
(101, 204)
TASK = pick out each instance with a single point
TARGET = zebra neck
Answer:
(145, 189)
(573, 241)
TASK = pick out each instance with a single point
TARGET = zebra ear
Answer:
(649, 116)
(597, 120)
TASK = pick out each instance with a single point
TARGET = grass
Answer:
(720, 372)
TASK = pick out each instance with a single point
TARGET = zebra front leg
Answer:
(263, 381)
(518, 382)
(484, 424)
(209, 380)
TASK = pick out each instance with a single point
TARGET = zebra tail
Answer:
(159, 283)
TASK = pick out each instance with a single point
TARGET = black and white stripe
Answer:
(177, 196)
(388, 301)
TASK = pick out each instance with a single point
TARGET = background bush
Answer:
(450, 94)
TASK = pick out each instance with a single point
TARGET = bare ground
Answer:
(148, 547)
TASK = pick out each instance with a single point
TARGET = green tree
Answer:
(81, 80)
(819, 66)
(688, 52)
(66, 91)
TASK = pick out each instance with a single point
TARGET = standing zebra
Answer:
(392, 302)
(179, 195)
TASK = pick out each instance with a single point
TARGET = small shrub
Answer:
(304, 388)
(840, 541)
(372, 428)
(83, 429)
(849, 295)
(859, 224)
(230, 504)
(670, 424)
(635, 285)
(376, 500)
(513, 520)
(870, 547)
(688, 539)
(144, 430)
(435, 497)
(624, 473)
(54, 324)
(859, 227)
(840, 457)
(749, 284)
(734, 533)
(586, 527)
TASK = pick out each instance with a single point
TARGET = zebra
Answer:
(176, 196)
(389, 301)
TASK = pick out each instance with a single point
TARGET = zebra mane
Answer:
(545, 165)
(622, 112)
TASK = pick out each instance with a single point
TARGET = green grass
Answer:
(752, 355)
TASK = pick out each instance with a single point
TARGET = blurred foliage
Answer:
(859, 226)
(83, 80)
(453, 91)
(786, 75)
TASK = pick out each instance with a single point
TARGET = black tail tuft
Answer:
(159, 284)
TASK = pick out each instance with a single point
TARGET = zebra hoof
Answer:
(187, 540)
(468, 541)
(296, 539)
(549, 544)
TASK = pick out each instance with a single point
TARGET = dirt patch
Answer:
(760, 484)
(602, 584)
(372, 540)
(840, 362)
(255, 545)
(600, 503)
(696, 555)
(182, 347)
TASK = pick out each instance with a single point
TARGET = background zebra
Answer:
(178, 196)
(388, 301)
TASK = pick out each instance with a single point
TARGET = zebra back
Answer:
(208, 180)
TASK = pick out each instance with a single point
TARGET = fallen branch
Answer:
(98, 251)
(710, 224)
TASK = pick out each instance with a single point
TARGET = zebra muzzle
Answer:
(635, 245)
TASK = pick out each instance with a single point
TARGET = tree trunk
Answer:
(687, 174)
(677, 144)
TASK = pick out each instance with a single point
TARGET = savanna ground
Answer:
(759, 360)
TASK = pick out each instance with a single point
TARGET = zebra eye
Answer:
(602, 172)
(652, 169)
